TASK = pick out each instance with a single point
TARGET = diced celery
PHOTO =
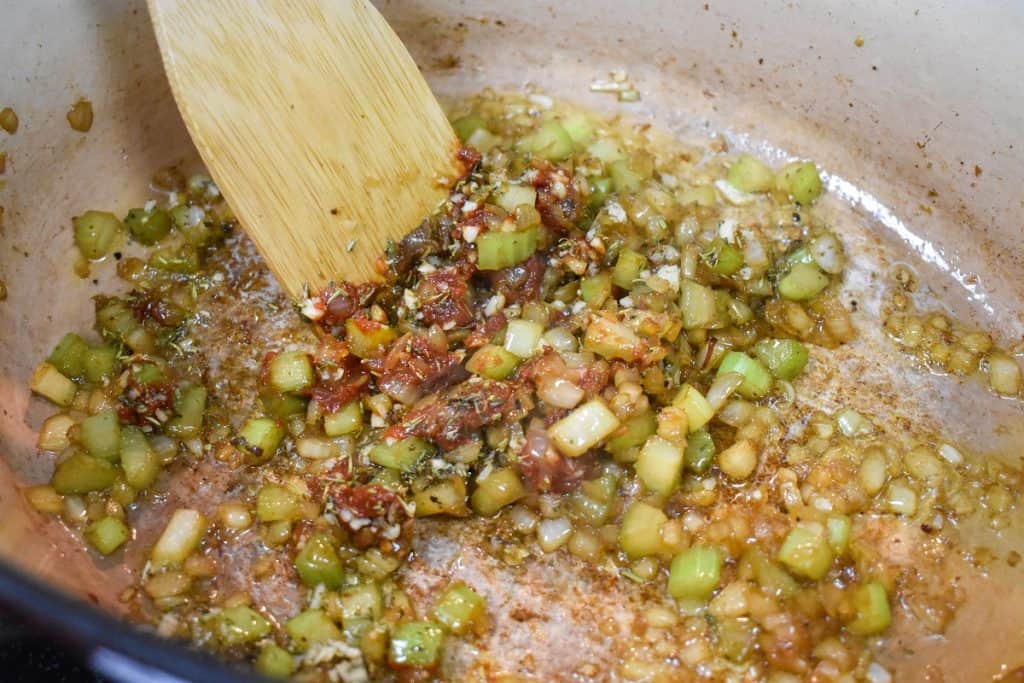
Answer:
(698, 411)
(803, 281)
(239, 625)
(771, 577)
(401, 455)
(182, 259)
(800, 180)
(291, 372)
(483, 140)
(695, 573)
(68, 355)
(367, 338)
(148, 373)
(514, 195)
(838, 527)
(785, 358)
(701, 195)
(101, 435)
(310, 627)
(81, 473)
(593, 512)
(493, 362)
(736, 638)
(757, 381)
(114, 317)
(107, 534)
(190, 404)
(873, 614)
(363, 601)
(805, 552)
(318, 563)
(415, 644)
(261, 436)
(348, 419)
(447, 497)
(700, 452)
(599, 187)
(640, 531)
(277, 504)
(96, 233)
(750, 175)
(801, 255)
(147, 227)
(582, 429)
(100, 363)
(580, 128)
(659, 465)
(627, 268)
(607, 150)
(138, 459)
(275, 662)
(180, 538)
(624, 178)
(500, 487)
(633, 432)
(282, 406)
(48, 382)
(522, 337)
(550, 141)
(497, 249)
(596, 290)
(697, 305)
(725, 259)
(467, 125)
(459, 608)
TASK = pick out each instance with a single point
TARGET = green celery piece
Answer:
(695, 573)
(757, 381)
(318, 563)
(497, 249)
(785, 358)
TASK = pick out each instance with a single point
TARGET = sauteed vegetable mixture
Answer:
(594, 349)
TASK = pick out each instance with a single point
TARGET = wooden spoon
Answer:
(316, 124)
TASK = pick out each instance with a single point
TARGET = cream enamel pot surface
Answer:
(918, 130)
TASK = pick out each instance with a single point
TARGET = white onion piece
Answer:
(722, 388)
(828, 253)
(313, 448)
(559, 392)
(561, 339)
(523, 519)
(736, 413)
(754, 253)
(552, 534)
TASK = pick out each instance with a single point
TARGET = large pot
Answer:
(919, 128)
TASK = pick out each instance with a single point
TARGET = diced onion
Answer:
(736, 413)
(559, 392)
(828, 253)
(522, 337)
(561, 339)
(313, 448)
(181, 536)
(583, 428)
(552, 534)
(722, 388)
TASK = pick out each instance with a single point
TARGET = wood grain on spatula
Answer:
(316, 124)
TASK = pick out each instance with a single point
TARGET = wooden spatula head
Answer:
(316, 124)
